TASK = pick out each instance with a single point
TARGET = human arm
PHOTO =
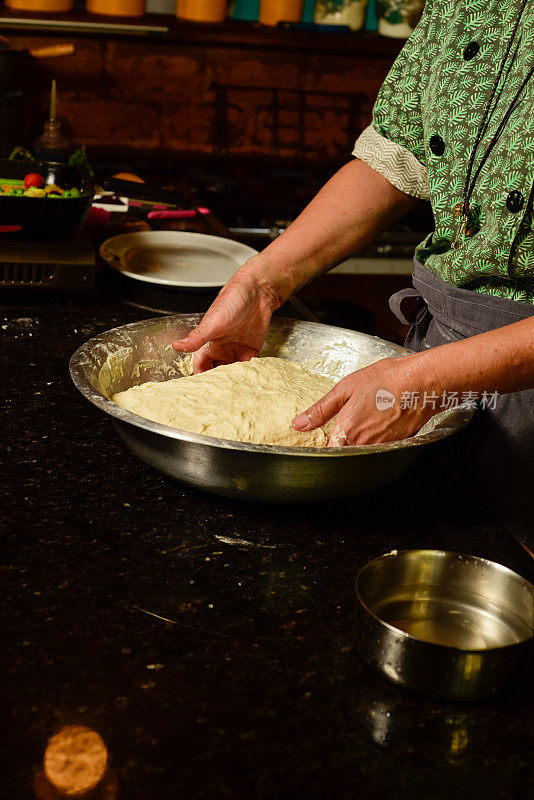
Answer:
(361, 200)
(501, 360)
(351, 210)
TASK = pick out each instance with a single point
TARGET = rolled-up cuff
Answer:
(394, 162)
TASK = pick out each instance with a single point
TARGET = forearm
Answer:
(351, 210)
(501, 360)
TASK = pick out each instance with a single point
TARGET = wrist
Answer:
(270, 279)
(413, 372)
(451, 368)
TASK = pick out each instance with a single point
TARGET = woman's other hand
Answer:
(373, 404)
(393, 398)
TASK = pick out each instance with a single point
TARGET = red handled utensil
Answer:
(180, 213)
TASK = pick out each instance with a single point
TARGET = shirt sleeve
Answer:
(394, 142)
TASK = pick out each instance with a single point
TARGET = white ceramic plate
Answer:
(176, 258)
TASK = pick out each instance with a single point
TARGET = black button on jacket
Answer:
(471, 50)
(515, 202)
(437, 145)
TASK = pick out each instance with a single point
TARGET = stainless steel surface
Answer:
(445, 624)
(302, 309)
(136, 353)
(126, 29)
(270, 233)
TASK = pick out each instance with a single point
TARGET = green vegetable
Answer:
(10, 189)
(79, 159)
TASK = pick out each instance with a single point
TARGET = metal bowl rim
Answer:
(122, 415)
(448, 553)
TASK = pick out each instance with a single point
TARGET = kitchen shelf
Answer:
(230, 34)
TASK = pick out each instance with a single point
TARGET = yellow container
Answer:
(117, 8)
(274, 11)
(202, 10)
(39, 5)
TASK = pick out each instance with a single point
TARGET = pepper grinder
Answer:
(51, 145)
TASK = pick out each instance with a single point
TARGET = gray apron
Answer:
(494, 454)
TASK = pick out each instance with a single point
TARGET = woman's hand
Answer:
(350, 211)
(393, 398)
(370, 404)
(234, 327)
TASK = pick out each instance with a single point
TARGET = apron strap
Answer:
(395, 303)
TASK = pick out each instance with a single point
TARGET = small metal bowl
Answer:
(444, 624)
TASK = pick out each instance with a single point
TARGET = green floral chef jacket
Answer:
(424, 124)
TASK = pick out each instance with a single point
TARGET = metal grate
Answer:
(20, 274)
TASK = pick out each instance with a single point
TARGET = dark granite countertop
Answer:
(251, 688)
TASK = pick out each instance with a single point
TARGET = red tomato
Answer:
(33, 179)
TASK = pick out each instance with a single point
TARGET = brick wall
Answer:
(159, 96)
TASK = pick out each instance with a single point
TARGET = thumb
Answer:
(209, 328)
(193, 341)
(325, 408)
(215, 323)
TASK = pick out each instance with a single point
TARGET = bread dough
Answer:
(249, 401)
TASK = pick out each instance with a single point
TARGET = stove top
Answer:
(47, 266)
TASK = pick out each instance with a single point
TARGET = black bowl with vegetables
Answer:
(44, 199)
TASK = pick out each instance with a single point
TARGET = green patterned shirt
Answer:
(424, 125)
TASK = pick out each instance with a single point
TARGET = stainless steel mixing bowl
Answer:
(445, 624)
(140, 352)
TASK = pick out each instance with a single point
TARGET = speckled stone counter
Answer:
(210, 641)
